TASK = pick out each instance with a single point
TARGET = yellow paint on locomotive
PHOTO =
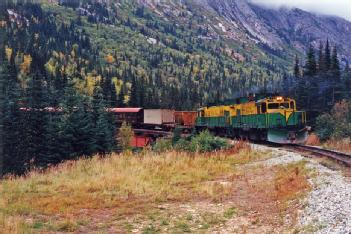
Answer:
(284, 106)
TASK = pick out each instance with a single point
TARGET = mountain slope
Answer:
(276, 28)
(297, 27)
(146, 52)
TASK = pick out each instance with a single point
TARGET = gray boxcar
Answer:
(158, 116)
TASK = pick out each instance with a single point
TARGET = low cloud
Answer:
(341, 8)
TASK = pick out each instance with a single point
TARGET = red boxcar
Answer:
(185, 118)
(140, 141)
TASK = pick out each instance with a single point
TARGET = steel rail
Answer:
(320, 152)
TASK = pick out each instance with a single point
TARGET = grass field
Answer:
(148, 193)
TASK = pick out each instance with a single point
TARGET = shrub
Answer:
(202, 143)
(163, 145)
(336, 124)
(125, 135)
(206, 142)
(325, 126)
(341, 131)
(177, 134)
(182, 145)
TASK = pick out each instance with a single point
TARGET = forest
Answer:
(63, 65)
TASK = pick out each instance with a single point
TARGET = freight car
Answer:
(185, 118)
(274, 119)
(145, 118)
(132, 116)
(160, 117)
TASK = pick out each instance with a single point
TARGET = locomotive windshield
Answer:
(283, 105)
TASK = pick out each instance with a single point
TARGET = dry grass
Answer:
(271, 192)
(343, 145)
(289, 181)
(12, 224)
(313, 140)
(78, 194)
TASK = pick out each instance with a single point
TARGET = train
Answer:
(273, 119)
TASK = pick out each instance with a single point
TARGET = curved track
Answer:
(319, 152)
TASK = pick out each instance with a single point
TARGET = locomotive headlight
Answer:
(279, 98)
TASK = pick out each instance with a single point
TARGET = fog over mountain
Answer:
(341, 8)
(281, 27)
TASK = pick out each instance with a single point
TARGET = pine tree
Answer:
(346, 78)
(53, 152)
(113, 102)
(134, 94)
(2, 108)
(311, 66)
(347, 72)
(335, 66)
(120, 100)
(104, 128)
(13, 120)
(78, 127)
(327, 56)
(297, 72)
(321, 58)
(35, 121)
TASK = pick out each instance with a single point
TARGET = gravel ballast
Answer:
(327, 208)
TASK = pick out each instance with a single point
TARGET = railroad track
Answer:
(342, 158)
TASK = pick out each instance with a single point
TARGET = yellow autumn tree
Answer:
(2, 24)
(25, 66)
(8, 52)
(109, 59)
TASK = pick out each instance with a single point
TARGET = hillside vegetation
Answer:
(64, 62)
(81, 60)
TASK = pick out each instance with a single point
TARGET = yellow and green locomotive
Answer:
(274, 119)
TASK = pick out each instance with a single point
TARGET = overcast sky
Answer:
(340, 8)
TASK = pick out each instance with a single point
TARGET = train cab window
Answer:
(264, 108)
(274, 106)
(292, 105)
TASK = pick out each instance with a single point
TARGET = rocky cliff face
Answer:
(275, 29)
(299, 28)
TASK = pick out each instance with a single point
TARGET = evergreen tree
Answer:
(311, 66)
(321, 58)
(346, 78)
(104, 126)
(134, 94)
(335, 74)
(13, 121)
(113, 102)
(120, 100)
(35, 121)
(346, 74)
(107, 89)
(78, 127)
(335, 66)
(2, 103)
(3, 78)
(297, 72)
(327, 56)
